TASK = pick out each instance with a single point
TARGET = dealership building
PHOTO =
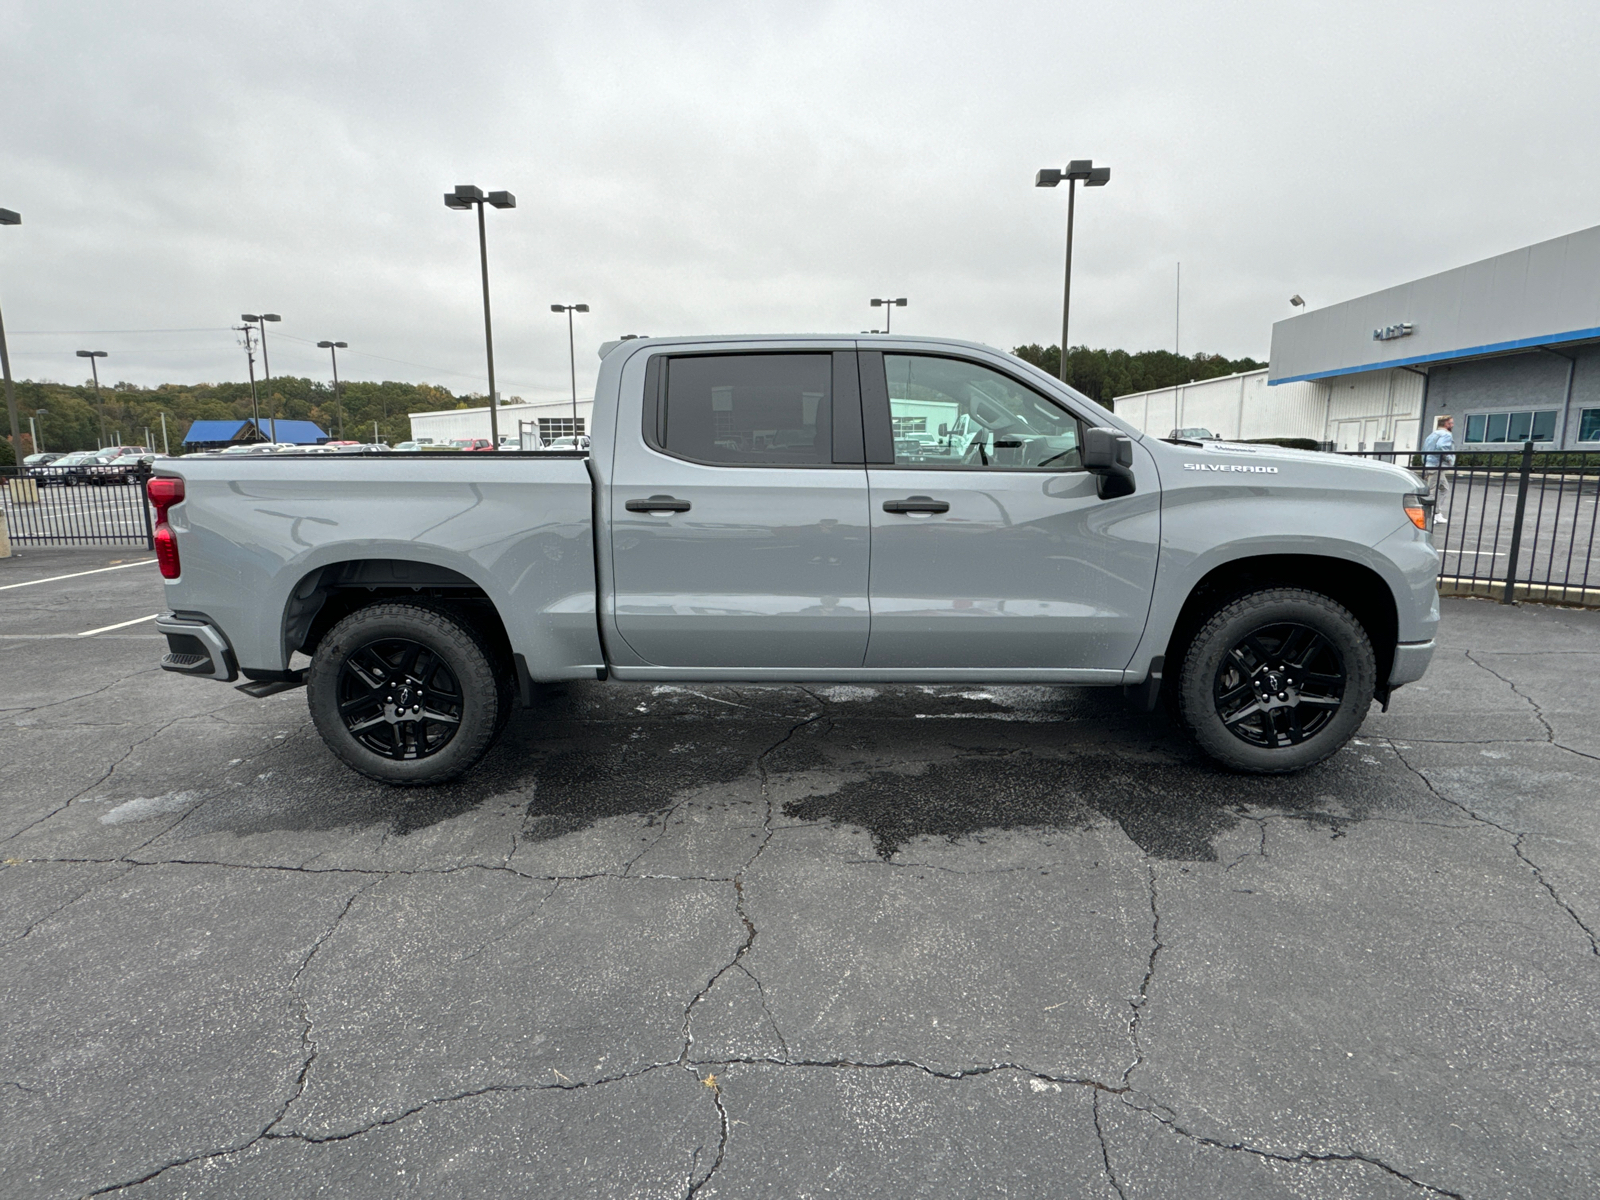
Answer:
(1509, 347)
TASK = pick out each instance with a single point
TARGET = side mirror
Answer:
(944, 430)
(1108, 454)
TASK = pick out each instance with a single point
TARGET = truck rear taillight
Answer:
(166, 551)
(165, 491)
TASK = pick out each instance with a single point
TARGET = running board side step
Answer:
(262, 688)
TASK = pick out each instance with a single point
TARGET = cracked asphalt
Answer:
(798, 942)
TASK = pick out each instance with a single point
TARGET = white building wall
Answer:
(1352, 411)
(1237, 407)
(451, 423)
(1373, 407)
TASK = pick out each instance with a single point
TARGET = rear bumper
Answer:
(196, 647)
(1411, 661)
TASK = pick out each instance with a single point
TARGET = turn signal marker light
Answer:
(1417, 513)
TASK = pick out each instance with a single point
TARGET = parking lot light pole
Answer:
(888, 307)
(1079, 169)
(7, 217)
(33, 430)
(464, 197)
(572, 358)
(259, 320)
(333, 348)
(94, 370)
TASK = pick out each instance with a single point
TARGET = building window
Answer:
(1589, 425)
(906, 426)
(1512, 426)
(550, 428)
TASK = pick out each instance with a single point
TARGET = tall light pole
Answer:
(572, 358)
(464, 197)
(1091, 176)
(94, 370)
(888, 307)
(33, 429)
(333, 348)
(259, 320)
(250, 357)
(7, 217)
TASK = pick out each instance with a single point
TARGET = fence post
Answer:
(141, 476)
(1516, 522)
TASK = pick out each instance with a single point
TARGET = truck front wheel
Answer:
(1276, 680)
(407, 694)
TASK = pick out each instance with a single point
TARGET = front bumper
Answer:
(1411, 661)
(196, 647)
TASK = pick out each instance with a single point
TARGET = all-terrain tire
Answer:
(1243, 661)
(464, 678)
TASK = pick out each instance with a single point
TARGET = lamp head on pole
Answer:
(1081, 169)
(271, 317)
(91, 354)
(333, 345)
(7, 217)
(1296, 302)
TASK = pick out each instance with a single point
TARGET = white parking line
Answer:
(54, 578)
(122, 625)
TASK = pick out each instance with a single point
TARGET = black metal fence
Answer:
(106, 509)
(1517, 526)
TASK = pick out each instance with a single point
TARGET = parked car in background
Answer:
(82, 466)
(569, 443)
(1193, 433)
(360, 448)
(473, 444)
(32, 464)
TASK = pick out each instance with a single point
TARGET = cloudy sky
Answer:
(745, 167)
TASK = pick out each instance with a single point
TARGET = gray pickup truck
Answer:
(806, 509)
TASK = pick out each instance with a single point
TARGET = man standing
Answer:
(1437, 457)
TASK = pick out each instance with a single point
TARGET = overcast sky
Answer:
(744, 167)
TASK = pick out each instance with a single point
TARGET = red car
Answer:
(473, 444)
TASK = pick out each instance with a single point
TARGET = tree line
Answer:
(1103, 375)
(72, 419)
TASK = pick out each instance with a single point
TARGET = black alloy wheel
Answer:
(398, 699)
(1276, 680)
(1279, 685)
(409, 693)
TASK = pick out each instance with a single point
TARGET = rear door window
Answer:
(740, 409)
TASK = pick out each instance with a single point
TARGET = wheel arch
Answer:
(1356, 586)
(326, 595)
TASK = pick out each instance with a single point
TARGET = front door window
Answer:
(957, 415)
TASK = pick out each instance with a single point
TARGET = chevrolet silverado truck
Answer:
(805, 509)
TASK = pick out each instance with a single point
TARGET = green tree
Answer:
(1103, 375)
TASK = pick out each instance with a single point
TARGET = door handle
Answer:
(916, 504)
(657, 504)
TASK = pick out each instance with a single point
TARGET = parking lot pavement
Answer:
(742, 941)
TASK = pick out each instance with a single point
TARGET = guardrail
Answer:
(1517, 526)
(88, 508)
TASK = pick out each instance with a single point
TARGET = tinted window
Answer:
(953, 414)
(749, 408)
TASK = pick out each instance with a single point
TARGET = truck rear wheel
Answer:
(407, 694)
(1276, 680)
